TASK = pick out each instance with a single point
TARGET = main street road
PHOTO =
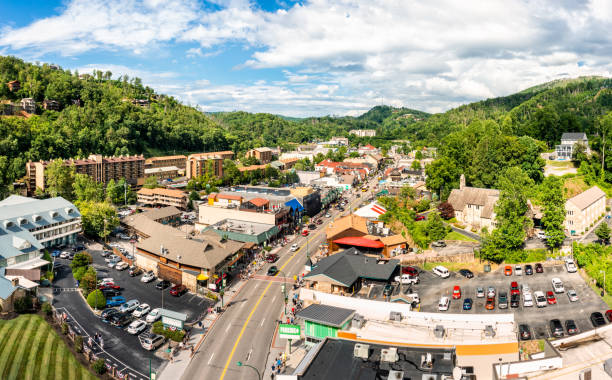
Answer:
(245, 330)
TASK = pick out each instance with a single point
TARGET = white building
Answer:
(583, 210)
(565, 150)
(363, 132)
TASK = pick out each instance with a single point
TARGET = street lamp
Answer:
(240, 364)
(284, 288)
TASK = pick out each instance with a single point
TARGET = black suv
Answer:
(110, 293)
(466, 273)
(556, 329)
(528, 270)
(597, 319)
(121, 319)
(163, 284)
(108, 314)
(524, 332)
(515, 299)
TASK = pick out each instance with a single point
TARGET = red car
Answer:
(305, 233)
(609, 315)
(550, 297)
(109, 285)
(178, 290)
(412, 271)
(508, 270)
(271, 258)
(514, 288)
(419, 217)
(456, 292)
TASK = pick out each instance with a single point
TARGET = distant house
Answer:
(474, 206)
(14, 85)
(565, 150)
(363, 132)
(583, 210)
(51, 105)
(28, 105)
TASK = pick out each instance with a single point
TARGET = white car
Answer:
(480, 293)
(407, 279)
(518, 270)
(525, 288)
(541, 235)
(64, 255)
(570, 266)
(444, 304)
(540, 299)
(527, 299)
(106, 281)
(491, 292)
(328, 215)
(122, 265)
(112, 258)
(572, 295)
(136, 327)
(141, 310)
(147, 277)
(294, 248)
(153, 315)
(557, 285)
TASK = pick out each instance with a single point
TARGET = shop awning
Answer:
(202, 277)
(360, 242)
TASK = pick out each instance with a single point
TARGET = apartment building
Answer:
(51, 105)
(163, 172)
(583, 210)
(28, 105)
(163, 197)
(565, 150)
(100, 168)
(264, 155)
(363, 132)
(198, 163)
(180, 161)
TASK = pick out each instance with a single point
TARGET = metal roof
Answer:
(326, 315)
(173, 314)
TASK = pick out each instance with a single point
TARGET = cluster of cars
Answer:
(135, 318)
(67, 253)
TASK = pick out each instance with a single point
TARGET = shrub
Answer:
(99, 366)
(78, 343)
(23, 305)
(46, 308)
(212, 296)
(176, 335)
(96, 299)
(64, 328)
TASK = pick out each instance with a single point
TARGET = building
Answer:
(565, 150)
(474, 207)
(198, 164)
(163, 197)
(371, 211)
(309, 199)
(14, 85)
(28, 105)
(252, 168)
(264, 155)
(197, 261)
(165, 215)
(367, 149)
(363, 132)
(323, 321)
(244, 231)
(345, 272)
(100, 168)
(163, 172)
(180, 161)
(256, 210)
(340, 140)
(51, 105)
(348, 226)
(224, 200)
(584, 210)
(289, 162)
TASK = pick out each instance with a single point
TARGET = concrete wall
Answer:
(211, 215)
(145, 263)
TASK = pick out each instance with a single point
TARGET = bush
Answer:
(96, 299)
(78, 343)
(23, 305)
(64, 328)
(46, 308)
(99, 366)
(176, 335)
(212, 296)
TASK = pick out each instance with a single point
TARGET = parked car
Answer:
(527, 299)
(508, 270)
(113, 263)
(328, 215)
(515, 300)
(129, 306)
(178, 290)
(136, 327)
(557, 285)
(141, 310)
(444, 304)
(121, 319)
(272, 271)
(109, 285)
(490, 304)
(122, 265)
(305, 233)
(466, 273)
(56, 253)
(134, 271)
(502, 301)
(438, 244)
(419, 217)
(514, 288)
(163, 284)
(148, 277)
(572, 295)
(570, 266)
(490, 292)
(528, 270)
(294, 247)
(467, 304)
(150, 341)
(570, 327)
(441, 271)
(106, 253)
(539, 268)
(540, 298)
(312, 226)
(541, 235)
(480, 293)
(388, 290)
(456, 292)
(597, 319)
(550, 298)
(524, 332)
(115, 301)
(271, 258)
(112, 258)
(108, 293)
(609, 315)
(407, 279)
(319, 222)
(518, 270)
(556, 329)
(64, 255)
(106, 280)
(412, 271)
(107, 314)
(153, 315)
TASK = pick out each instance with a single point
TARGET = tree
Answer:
(120, 192)
(98, 218)
(442, 176)
(605, 129)
(81, 259)
(416, 165)
(446, 210)
(86, 189)
(96, 299)
(60, 179)
(88, 281)
(603, 232)
(150, 182)
(194, 196)
(407, 192)
(354, 155)
(418, 155)
(554, 210)
(435, 228)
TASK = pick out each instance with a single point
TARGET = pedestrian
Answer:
(171, 358)
(192, 350)
(273, 368)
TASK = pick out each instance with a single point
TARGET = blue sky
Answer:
(319, 57)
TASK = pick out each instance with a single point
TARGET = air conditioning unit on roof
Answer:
(361, 351)
(389, 355)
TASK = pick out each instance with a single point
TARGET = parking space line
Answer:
(262, 322)
(211, 358)
(228, 327)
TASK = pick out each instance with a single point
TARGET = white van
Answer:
(407, 279)
(441, 271)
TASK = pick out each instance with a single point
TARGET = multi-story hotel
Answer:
(165, 161)
(101, 169)
(197, 164)
(163, 197)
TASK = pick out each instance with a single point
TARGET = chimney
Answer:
(462, 182)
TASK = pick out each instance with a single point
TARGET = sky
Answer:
(318, 57)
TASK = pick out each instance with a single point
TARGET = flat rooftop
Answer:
(242, 227)
(335, 360)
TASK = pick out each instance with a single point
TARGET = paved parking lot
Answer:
(431, 288)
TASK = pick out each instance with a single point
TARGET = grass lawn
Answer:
(31, 349)
(560, 164)
(475, 266)
(454, 235)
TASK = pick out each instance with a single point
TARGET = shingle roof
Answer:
(6, 286)
(350, 221)
(161, 191)
(348, 266)
(259, 202)
(326, 315)
(486, 198)
(573, 136)
(163, 212)
(587, 198)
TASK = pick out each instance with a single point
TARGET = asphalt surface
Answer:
(245, 331)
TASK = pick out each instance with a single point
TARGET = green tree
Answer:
(98, 218)
(605, 130)
(86, 189)
(407, 192)
(442, 176)
(150, 182)
(60, 179)
(81, 259)
(554, 210)
(416, 165)
(88, 281)
(435, 228)
(603, 232)
(96, 299)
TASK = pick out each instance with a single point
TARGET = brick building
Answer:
(180, 161)
(264, 155)
(163, 197)
(197, 163)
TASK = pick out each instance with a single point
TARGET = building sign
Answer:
(286, 331)
(171, 323)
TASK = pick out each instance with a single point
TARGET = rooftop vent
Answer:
(389, 355)
(53, 214)
(426, 361)
(395, 375)
(362, 351)
(489, 331)
(439, 331)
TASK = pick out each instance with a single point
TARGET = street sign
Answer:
(288, 331)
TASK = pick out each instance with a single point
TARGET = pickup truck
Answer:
(407, 279)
